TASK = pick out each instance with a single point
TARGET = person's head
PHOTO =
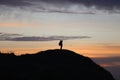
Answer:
(61, 40)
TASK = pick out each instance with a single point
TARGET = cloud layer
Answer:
(110, 63)
(63, 6)
(19, 37)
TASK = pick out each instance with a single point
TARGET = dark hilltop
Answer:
(51, 65)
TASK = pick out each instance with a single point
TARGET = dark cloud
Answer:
(64, 6)
(51, 38)
(112, 64)
(14, 2)
(4, 36)
(8, 34)
(103, 4)
(108, 60)
(19, 37)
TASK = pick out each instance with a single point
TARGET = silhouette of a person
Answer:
(61, 44)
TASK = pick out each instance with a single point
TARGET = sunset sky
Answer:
(88, 27)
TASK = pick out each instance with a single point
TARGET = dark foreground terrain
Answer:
(51, 65)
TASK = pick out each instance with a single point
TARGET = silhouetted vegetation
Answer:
(51, 65)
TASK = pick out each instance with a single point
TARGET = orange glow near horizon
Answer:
(111, 64)
(90, 51)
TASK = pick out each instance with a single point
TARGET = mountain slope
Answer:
(51, 65)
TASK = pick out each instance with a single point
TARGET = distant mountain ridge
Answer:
(51, 65)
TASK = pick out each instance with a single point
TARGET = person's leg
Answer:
(61, 47)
